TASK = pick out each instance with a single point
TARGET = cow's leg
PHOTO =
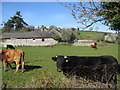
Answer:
(23, 66)
(113, 77)
(115, 81)
(22, 61)
(9, 65)
(4, 63)
(17, 66)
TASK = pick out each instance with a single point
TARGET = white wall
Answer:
(29, 42)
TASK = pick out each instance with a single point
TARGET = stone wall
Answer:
(83, 43)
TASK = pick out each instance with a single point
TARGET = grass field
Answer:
(91, 34)
(38, 60)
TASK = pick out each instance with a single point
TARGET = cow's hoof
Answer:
(5, 70)
(15, 71)
(23, 71)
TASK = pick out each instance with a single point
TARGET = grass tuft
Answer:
(51, 81)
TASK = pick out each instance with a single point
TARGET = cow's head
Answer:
(61, 62)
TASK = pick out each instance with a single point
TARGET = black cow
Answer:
(98, 68)
(10, 46)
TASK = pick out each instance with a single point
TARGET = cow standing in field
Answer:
(10, 46)
(94, 45)
(98, 68)
(10, 56)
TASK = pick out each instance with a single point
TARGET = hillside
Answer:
(88, 35)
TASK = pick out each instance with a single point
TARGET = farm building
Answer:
(33, 38)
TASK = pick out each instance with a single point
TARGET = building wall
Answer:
(29, 42)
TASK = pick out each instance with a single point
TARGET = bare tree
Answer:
(89, 13)
(85, 12)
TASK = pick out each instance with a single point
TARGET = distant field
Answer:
(38, 59)
(91, 34)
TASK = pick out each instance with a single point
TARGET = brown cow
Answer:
(10, 56)
(88, 35)
(93, 46)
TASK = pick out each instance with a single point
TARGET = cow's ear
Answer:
(54, 58)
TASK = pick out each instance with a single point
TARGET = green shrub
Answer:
(57, 38)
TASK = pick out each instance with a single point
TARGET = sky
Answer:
(43, 13)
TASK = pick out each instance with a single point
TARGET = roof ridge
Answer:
(32, 34)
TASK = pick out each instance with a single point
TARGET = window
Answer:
(33, 40)
(43, 39)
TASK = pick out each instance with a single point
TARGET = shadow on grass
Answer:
(31, 67)
(27, 67)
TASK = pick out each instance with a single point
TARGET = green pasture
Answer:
(92, 35)
(38, 60)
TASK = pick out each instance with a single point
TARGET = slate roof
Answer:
(32, 34)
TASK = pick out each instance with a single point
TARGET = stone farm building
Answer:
(33, 38)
